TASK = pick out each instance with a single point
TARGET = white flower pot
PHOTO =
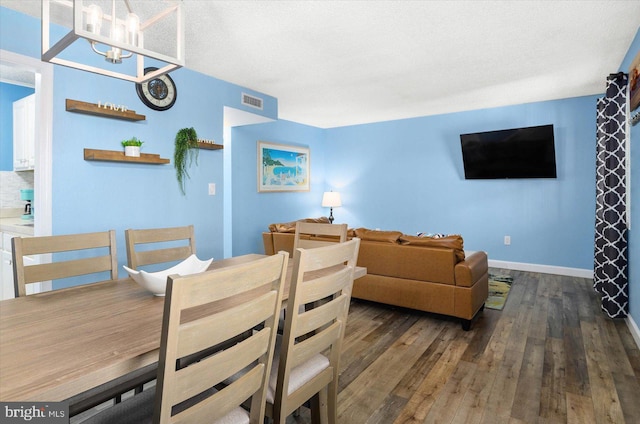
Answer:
(133, 151)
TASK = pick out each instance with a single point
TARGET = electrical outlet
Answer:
(212, 189)
(507, 240)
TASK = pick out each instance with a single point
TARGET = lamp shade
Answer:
(331, 199)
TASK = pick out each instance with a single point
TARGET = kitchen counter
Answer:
(16, 225)
(11, 222)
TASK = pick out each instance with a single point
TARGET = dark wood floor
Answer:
(550, 356)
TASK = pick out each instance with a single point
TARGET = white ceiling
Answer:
(336, 63)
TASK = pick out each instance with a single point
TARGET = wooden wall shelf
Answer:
(92, 109)
(209, 146)
(117, 156)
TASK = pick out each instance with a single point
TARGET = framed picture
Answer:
(634, 83)
(282, 167)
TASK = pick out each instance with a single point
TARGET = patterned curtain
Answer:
(610, 259)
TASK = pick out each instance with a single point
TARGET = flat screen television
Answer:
(514, 153)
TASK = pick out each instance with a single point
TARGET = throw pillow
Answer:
(452, 241)
(376, 235)
(290, 227)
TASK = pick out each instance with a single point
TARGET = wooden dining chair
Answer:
(306, 235)
(171, 244)
(201, 311)
(309, 235)
(307, 363)
(80, 265)
(86, 261)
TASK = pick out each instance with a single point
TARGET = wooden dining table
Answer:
(56, 345)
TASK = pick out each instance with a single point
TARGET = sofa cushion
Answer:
(290, 227)
(409, 262)
(453, 241)
(376, 235)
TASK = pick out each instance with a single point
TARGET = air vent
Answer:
(251, 101)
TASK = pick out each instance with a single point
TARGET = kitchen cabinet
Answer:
(6, 268)
(7, 278)
(24, 133)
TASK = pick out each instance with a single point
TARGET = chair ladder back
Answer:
(315, 322)
(246, 295)
(137, 258)
(320, 234)
(27, 246)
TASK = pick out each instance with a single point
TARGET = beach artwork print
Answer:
(282, 167)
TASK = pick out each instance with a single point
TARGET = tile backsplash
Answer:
(10, 185)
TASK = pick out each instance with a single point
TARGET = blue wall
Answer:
(634, 232)
(407, 175)
(253, 211)
(9, 93)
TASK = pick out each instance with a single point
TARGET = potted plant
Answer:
(132, 147)
(186, 151)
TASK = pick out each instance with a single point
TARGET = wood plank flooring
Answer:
(550, 356)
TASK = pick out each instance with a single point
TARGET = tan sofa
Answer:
(423, 273)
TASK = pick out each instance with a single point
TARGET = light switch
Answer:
(212, 189)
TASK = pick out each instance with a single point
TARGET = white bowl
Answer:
(156, 282)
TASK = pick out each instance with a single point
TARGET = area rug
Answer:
(499, 286)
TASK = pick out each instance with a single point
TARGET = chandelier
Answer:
(117, 30)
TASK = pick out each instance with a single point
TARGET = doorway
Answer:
(42, 177)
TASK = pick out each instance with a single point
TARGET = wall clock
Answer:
(159, 93)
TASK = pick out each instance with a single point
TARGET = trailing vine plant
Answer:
(186, 151)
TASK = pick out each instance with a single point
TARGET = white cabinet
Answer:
(6, 269)
(24, 133)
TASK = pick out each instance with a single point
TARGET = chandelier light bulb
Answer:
(133, 28)
(94, 19)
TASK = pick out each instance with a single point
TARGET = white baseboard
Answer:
(545, 269)
(634, 330)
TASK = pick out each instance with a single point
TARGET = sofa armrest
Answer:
(471, 269)
(267, 240)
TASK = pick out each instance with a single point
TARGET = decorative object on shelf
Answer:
(635, 118)
(115, 156)
(159, 93)
(112, 106)
(98, 110)
(156, 282)
(209, 145)
(119, 29)
(132, 147)
(185, 153)
(282, 167)
(331, 199)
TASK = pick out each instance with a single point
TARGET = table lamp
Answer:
(331, 199)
